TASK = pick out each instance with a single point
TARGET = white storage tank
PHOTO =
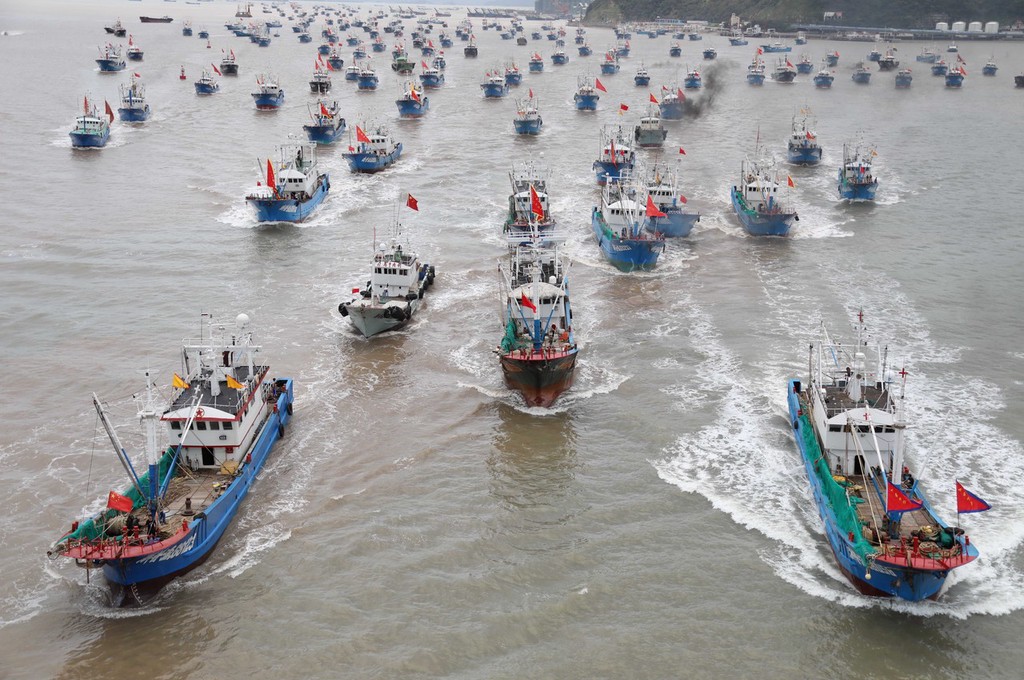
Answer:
(992, 27)
(959, 26)
(974, 27)
(942, 26)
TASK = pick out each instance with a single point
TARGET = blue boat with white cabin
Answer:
(610, 65)
(413, 103)
(776, 47)
(861, 74)
(207, 84)
(642, 77)
(675, 50)
(134, 108)
(513, 76)
(615, 155)
(91, 129)
(373, 151)
(171, 517)
(857, 181)
(759, 199)
(536, 64)
(832, 59)
(134, 52)
(494, 87)
(904, 79)
(805, 65)
(672, 218)
(710, 54)
(326, 125)
(990, 68)
(586, 96)
(803, 147)
(585, 50)
(352, 72)
(955, 76)
(292, 188)
(431, 78)
(527, 120)
(823, 79)
(693, 80)
(335, 60)
(268, 95)
(756, 71)
(559, 58)
(111, 59)
(618, 226)
(650, 133)
(367, 79)
(672, 104)
(940, 68)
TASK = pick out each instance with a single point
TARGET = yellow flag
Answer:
(233, 384)
(179, 382)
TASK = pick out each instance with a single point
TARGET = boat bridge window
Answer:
(214, 426)
(175, 425)
(835, 428)
(228, 426)
(200, 425)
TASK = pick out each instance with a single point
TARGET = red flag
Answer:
(968, 502)
(216, 70)
(411, 202)
(809, 135)
(788, 64)
(232, 53)
(679, 93)
(355, 290)
(598, 85)
(654, 100)
(85, 105)
(137, 74)
(120, 503)
(129, 41)
(329, 67)
(623, 107)
(615, 163)
(531, 93)
(361, 136)
(681, 151)
(897, 501)
(682, 199)
(535, 205)
(789, 180)
(324, 111)
(525, 302)
(110, 111)
(271, 180)
(424, 64)
(652, 210)
(760, 51)
(415, 97)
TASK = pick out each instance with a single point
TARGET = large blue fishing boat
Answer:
(431, 77)
(861, 74)
(650, 133)
(527, 120)
(367, 79)
(756, 71)
(776, 46)
(513, 76)
(784, 71)
(207, 84)
(642, 77)
(134, 52)
(91, 129)
(111, 59)
(955, 76)
(850, 426)
(325, 124)
(672, 104)
(692, 81)
(803, 147)
(904, 78)
(928, 56)
(559, 58)
(268, 95)
(536, 64)
(832, 59)
(585, 50)
(586, 96)
(805, 65)
(494, 87)
(990, 68)
(335, 60)
(856, 179)
(610, 65)
(759, 200)
(171, 517)
(823, 79)
(710, 54)
(134, 108)
(412, 103)
(373, 152)
(615, 155)
(619, 226)
(291, 190)
(672, 217)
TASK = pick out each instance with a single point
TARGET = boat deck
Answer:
(228, 400)
(838, 401)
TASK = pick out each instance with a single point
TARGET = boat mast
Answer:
(122, 455)
(148, 417)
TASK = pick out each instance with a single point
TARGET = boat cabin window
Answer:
(200, 425)
(835, 428)
(175, 425)
(214, 426)
(228, 426)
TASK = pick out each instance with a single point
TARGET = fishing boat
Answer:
(784, 71)
(373, 152)
(832, 59)
(536, 64)
(649, 132)
(207, 84)
(403, 64)
(610, 65)
(823, 79)
(527, 120)
(378, 45)
(586, 96)
(694, 36)
(756, 71)
(320, 83)
(529, 216)
(737, 40)
(439, 62)
(431, 78)
(710, 54)
(538, 349)
(398, 281)
(776, 46)
(952, 48)
(513, 76)
(268, 95)
(856, 179)
(134, 52)
(228, 64)
(800, 39)
(861, 74)
(904, 78)
(170, 518)
(805, 65)
(292, 188)
(494, 87)
(927, 56)
(325, 125)
(692, 81)
(622, 50)
(642, 77)
(335, 60)
(675, 50)
(352, 72)
(156, 20)
(955, 76)
(940, 68)
(672, 104)
(204, 35)
(888, 62)
(615, 155)
(412, 103)
(672, 217)
(471, 49)
(585, 50)
(559, 58)
(619, 225)
(803, 147)
(111, 59)
(117, 29)
(874, 55)
(134, 108)
(358, 53)
(367, 79)
(1018, 81)
(850, 423)
(186, 28)
(759, 198)
(91, 129)
(990, 68)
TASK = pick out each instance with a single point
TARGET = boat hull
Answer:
(83, 140)
(609, 172)
(268, 102)
(370, 162)
(823, 82)
(407, 108)
(287, 209)
(319, 86)
(366, 83)
(324, 134)
(954, 80)
(432, 81)
(801, 155)
(671, 110)
(627, 254)
(675, 224)
(857, 192)
(761, 224)
(641, 81)
(586, 102)
(528, 127)
(133, 114)
(649, 139)
(229, 69)
(206, 88)
(111, 65)
(371, 320)
(755, 78)
(494, 91)
(609, 69)
(539, 379)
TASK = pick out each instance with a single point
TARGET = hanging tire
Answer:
(280, 431)
(289, 408)
(342, 309)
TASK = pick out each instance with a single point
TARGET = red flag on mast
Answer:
(968, 502)
(324, 111)
(526, 302)
(897, 501)
(654, 100)
(681, 152)
(216, 70)
(85, 105)
(535, 205)
(361, 136)
(598, 85)
(116, 501)
(411, 202)
(652, 210)
(110, 111)
(271, 180)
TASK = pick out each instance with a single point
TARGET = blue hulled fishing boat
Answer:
(805, 65)
(955, 76)
(585, 50)
(927, 56)
(803, 147)
(850, 426)
(559, 58)
(784, 71)
(229, 65)
(431, 78)
(671, 216)
(861, 74)
(586, 96)
(207, 84)
(758, 199)
(134, 108)
(755, 71)
(615, 155)
(649, 133)
(325, 124)
(91, 129)
(675, 50)
(710, 54)
(536, 64)
(335, 60)
(527, 120)
(642, 77)
(610, 65)
(940, 68)
(990, 68)
(494, 87)
(412, 103)
(823, 79)
(776, 46)
(672, 104)
(832, 59)
(904, 78)
(320, 82)
(373, 152)
(268, 95)
(888, 62)
(171, 517)
(111, 59)
(693, 80)
(134, 51)
(293, 189)
(367, 79)
(619, 226)
(513, 76)
(856, 179)
(529, 218)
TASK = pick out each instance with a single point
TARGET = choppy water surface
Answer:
(417, 521)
